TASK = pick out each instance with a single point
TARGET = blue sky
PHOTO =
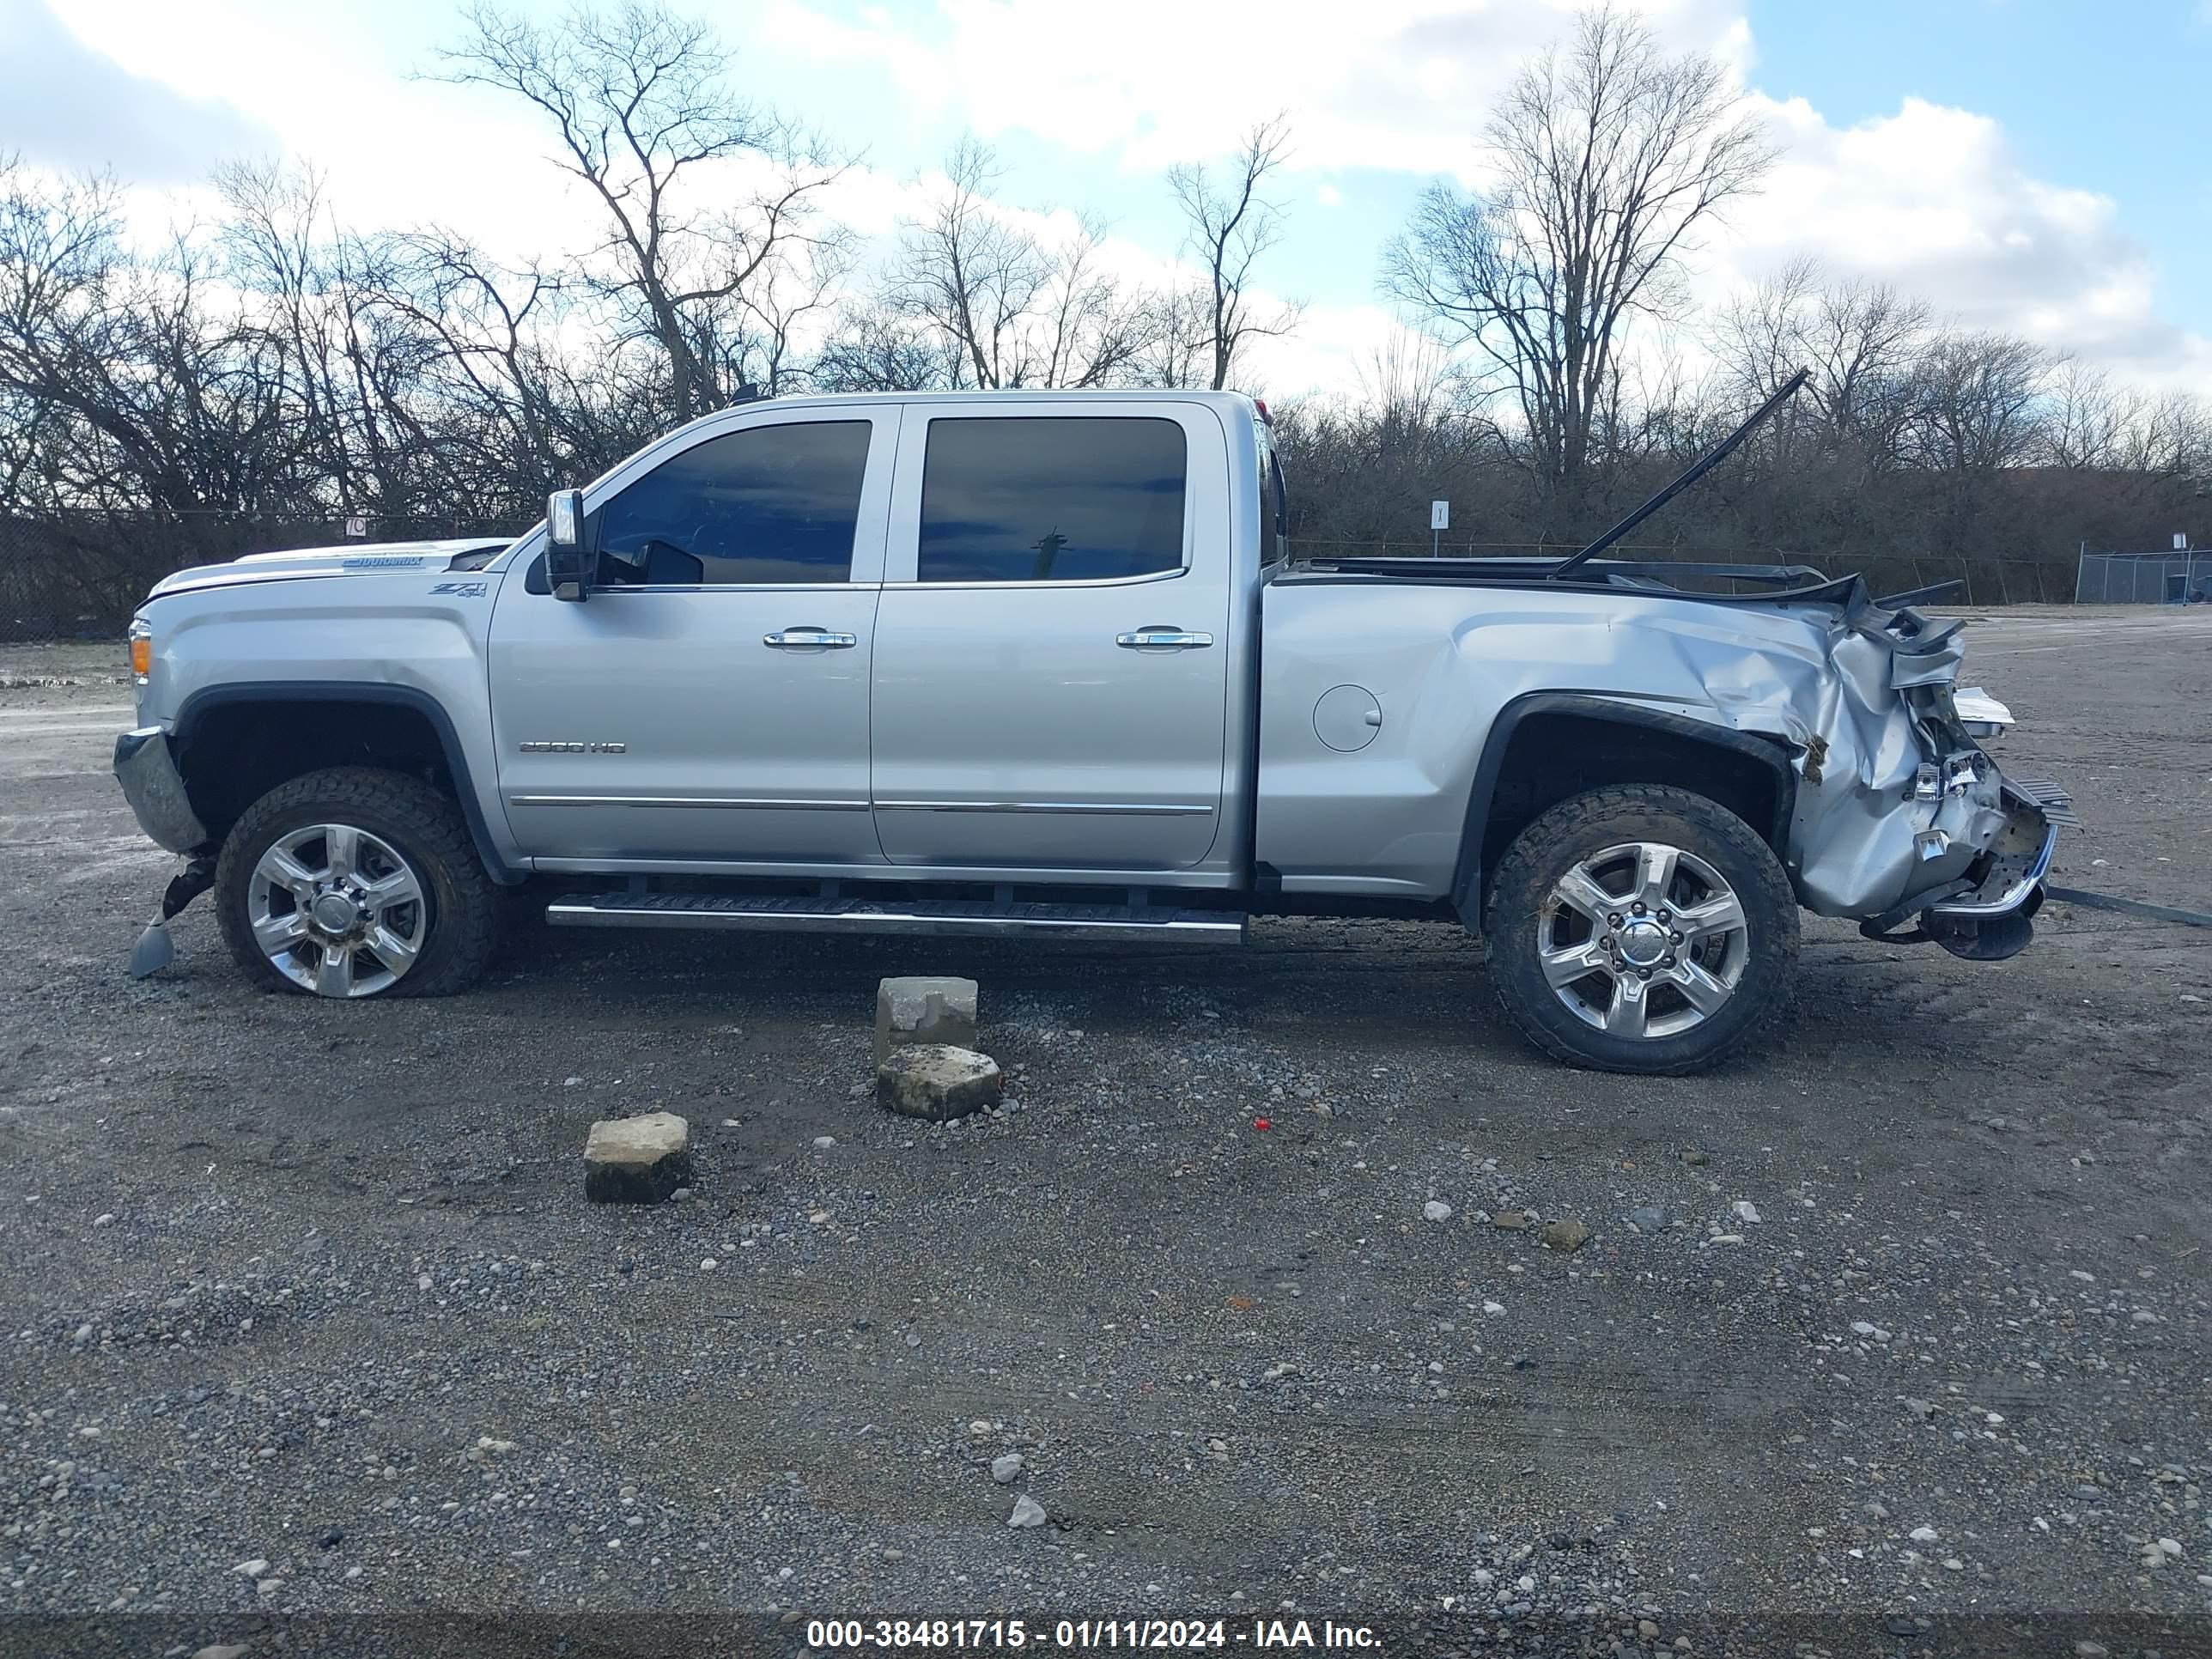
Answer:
(2022, 164)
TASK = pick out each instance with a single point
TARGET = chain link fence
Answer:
(81, 573)
(2181, 577)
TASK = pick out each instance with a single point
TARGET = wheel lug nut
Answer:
(1613, 921)
(1677, 938)
(1644, 973)
(1670, 959)
(1639, 909)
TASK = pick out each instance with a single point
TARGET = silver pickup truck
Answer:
(1038, 663)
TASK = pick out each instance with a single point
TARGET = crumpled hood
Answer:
(354, 559)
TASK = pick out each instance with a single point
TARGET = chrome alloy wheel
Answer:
(337, 910)
(1642, 940)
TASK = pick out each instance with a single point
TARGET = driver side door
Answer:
(708, 701)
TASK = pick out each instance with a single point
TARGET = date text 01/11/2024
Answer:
(1169, 1634)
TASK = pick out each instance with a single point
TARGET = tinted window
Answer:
(1051, 499)
(771, 504)
(1274, 512)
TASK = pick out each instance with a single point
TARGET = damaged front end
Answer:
(1904, 822)
(1898, 813)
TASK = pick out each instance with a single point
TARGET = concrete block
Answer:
(937, 1082)
(924, 1009)
(637, 1160)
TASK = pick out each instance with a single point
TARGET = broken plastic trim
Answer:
(1972, 938)
(155, 950)
(1878, 927)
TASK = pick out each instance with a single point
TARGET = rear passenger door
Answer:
(1050, 680)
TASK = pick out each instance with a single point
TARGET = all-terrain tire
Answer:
(463, 905)
(1522, 904)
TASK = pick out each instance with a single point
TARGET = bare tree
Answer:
(148, 394)
(503, 428)
(348, 365)
(1758, 333)
(639, 101)
(1863, 340)
(880, 347)
(243, 380)
(1011, 308)
(1181, 353)
(1229, 227)
(2169, 436)
(2087, 420)
(967, 273)
(1607, 158)
(59, 269)
(1980, 401)
(1367, 466)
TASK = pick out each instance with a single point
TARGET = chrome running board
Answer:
(1118, 923)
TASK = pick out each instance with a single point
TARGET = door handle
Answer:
(809, 639)
(1160, 639)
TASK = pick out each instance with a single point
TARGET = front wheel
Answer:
(356, 883)
(1641, 928)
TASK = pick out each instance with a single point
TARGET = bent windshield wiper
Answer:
(1697, 469)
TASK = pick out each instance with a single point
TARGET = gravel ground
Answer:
(306, 1314)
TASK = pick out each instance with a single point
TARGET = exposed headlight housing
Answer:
(1982, 714)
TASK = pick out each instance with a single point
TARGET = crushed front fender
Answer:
(1908, 812)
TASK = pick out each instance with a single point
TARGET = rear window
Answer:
(1052, 498)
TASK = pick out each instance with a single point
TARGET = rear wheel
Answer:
(356, 883)
(1641, 928)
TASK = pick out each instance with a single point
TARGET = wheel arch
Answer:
(1546, 746)
(274, 726)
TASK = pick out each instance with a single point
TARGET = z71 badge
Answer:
(461, 590)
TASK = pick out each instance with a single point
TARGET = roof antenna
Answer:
(1697, 469)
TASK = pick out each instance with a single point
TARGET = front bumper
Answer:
(2006, 889)
(2020, 856)
(151, 783)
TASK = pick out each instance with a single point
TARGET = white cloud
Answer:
(72, 108)
(1400, 84)
(1934, 201)
(326, 90)
(1337, 349)
(1931, 198)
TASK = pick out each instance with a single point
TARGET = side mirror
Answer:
(570, 560)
